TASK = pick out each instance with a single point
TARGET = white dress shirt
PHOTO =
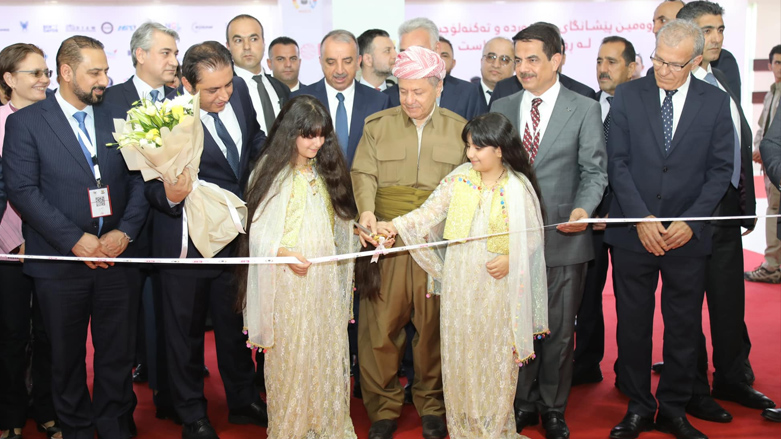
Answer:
(228, 118)
(247, 76)
(144, 89)
(604, 104)
(333, 102)
(295, 87)
(383, 85)
(89, 121)
(733, 108)
(679, 99)
(486, 91)
(545, 108)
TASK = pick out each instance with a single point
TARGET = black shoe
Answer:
(706, 408)
(555, 427)
(408, 394)
(679, 427)
(50, 431)
(658, 367)
(587, 376)
(255, 413)
(200, 429)
(206, 372)
(141, 374)
(525, 419)
(631, 426)
(164, 412)
(434, 427)
(382, 429)
(12, 435)
(743, 394)
(772, 414)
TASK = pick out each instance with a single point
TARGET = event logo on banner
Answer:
(107, 28)
(470, 25)
(305, 4)
(24, 25)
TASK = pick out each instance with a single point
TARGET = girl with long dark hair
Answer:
(494, 290)
(301, 203)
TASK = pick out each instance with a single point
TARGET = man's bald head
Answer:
(666, 11)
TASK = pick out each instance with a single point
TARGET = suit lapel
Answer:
(241, 117)
(445, 97)
(690, 109)
(562, 111)
(61, 128)
(318, 91)
(653, 109)
(359, 110)
(131, 94)
(103, 129)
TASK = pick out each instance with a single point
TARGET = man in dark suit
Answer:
(244, 35)
(79, 199)
(232, 142)
(562, 132)
(770, 149)
(349, 102)
(153, 52)
(615, 65)
(459, 96)
(671, 157)
(725, 288)
(284, 61)
(496, 64)
(668, 10)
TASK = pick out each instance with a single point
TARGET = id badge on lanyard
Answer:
(99, 198)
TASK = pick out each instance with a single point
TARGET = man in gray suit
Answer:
(562, 132)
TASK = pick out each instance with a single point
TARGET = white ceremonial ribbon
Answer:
(324, 259)
(380, 250)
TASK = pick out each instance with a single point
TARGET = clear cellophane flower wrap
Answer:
(213, 216)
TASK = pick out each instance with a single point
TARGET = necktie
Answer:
(667, 119)
(533, 143)
(154, 95)
(232, 152)
(265, 103)
(342, 131)
(606, 123)
(735, 180)
(80, 116)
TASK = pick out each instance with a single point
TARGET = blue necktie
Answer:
(80, 116)
(667, 119)
(154, 94)
(342, 133)
(232, 152)
(735, 180)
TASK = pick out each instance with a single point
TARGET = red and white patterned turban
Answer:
(417, 63)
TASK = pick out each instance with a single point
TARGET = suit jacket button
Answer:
(94, 224)
(664, 169)
(658, 197)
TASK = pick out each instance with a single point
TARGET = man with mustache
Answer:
(78, 198)
(724, 286)
(615, 66)
(349, 102)
(404, 152)
(562, 132)
(244, 35)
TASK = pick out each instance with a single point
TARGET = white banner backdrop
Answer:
(583, 25)
(468, 25)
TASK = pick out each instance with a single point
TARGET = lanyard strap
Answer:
(85, 140)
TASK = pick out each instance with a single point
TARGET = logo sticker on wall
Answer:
(304, 4)
(107, 27)
(48, 28)
(24, 25)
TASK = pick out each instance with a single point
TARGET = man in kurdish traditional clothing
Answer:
(404, 153)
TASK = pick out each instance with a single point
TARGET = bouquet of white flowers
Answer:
(162, 140)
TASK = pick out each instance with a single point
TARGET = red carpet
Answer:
(593, 409)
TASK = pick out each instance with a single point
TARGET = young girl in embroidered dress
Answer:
(301, 203)
(494, 290)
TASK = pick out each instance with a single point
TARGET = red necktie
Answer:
(532, 144)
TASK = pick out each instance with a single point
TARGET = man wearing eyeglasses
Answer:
(495, 65)
(670, 155)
